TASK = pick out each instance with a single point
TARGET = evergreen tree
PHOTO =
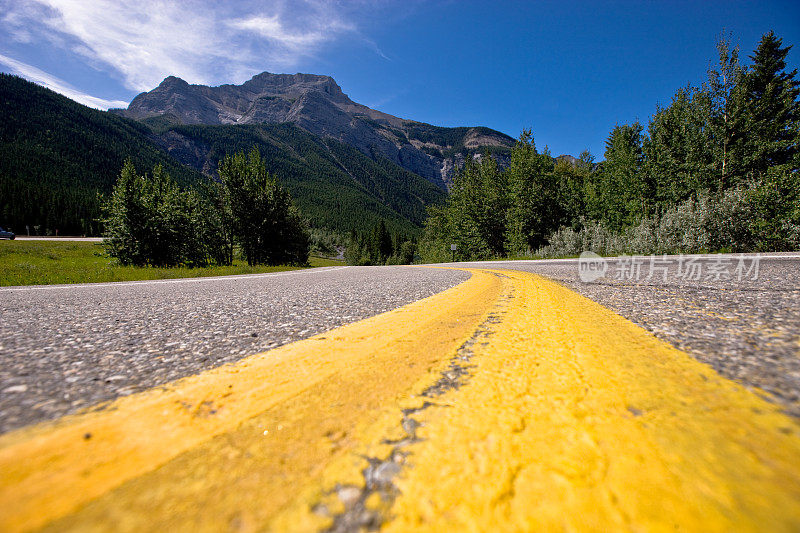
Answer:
(676, 155)
(125, 220)
(772, 100)
(534, 209)
(382, 244)
(439, 234)
(406, 252)
(150, 221)
(625, 192)
(727, 121)
(353, 252)
(571, 182)
(218, 217)
(478, 209)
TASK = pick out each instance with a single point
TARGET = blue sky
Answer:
(568, 70)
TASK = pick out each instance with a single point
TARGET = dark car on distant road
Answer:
(6, 234)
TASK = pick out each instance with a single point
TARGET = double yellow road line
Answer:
(573, 418)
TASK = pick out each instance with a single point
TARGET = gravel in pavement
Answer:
(66, 348)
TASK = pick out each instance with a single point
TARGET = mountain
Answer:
(572, 160)
(58, 158)
(317, 105)
(334, 184)
(346, 165)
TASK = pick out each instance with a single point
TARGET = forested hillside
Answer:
(56, 156)
(716, 170)
(334, 185)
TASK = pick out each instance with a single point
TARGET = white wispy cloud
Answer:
(205, 42)
(273, 29)
(60, 86)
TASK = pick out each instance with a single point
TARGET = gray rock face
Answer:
(318, 105)
(572, 160)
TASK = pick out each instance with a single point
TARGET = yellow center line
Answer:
(577, 419)
(573, 418)
(230, 446)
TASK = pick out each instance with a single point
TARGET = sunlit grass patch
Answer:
(53, 262)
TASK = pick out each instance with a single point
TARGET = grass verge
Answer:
(52, 262)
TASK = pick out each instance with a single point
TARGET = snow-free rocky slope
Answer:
(318, 105)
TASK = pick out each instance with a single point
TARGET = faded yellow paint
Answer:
(231, 446)
(577, 419)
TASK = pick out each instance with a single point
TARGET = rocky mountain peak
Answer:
(265, 98)
(283, 82)
(173, 81)
(317, 104)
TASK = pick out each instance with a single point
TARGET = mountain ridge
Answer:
(60, 159)
(317, 104)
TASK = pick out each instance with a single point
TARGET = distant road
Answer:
(78, 239)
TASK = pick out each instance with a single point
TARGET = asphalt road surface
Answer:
(69, 347)
(737, 313)
(509, 400)
(63, 348)
(73, 239)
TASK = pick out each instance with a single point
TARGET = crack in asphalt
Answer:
(378, 476)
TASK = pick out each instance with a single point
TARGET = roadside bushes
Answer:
(740, 219)
(150, 221)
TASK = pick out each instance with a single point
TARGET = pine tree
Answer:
(438, 233)
(125, 219)
(727, 121)
(475, 210)
(534, 209)
(772, 94)
(382, 244)
(624, 190)
(354, 253)
(675, 151)
(569, 187)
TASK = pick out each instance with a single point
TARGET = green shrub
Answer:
(740, 219)
(150, 221)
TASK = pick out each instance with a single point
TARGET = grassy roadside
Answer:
(52, 262)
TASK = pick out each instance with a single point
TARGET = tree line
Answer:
(716, 169)
(379, 246)
(58, 159)
(151, 221)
